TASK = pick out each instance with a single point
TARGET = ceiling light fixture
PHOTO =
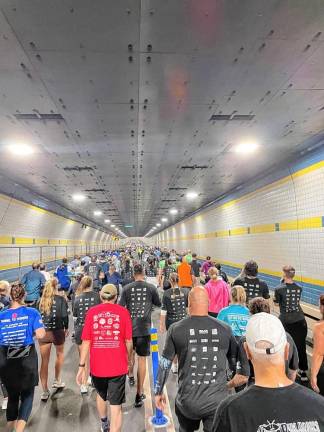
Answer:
(78, 197)
(20, 149)
(158, 224)
(246, 148)
(164, 219)
(97, 213)
(112, 226)
(191, 195)
(173, 211)
(107, 220)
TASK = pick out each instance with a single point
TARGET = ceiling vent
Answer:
(79, 169)
(95, 190)
(103, 202)
(178, 188)
(193, 167)
(231, 117)
(169, 200)
(39, 116)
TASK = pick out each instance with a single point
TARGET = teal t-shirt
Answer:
(237, 317)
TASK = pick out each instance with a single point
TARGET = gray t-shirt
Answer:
(139, 298)
(204, 347)
(288, 296)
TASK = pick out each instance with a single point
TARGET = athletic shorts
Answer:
(56, 337)
(111, 389)
(187, 424)
(77, 335)
(142, 345)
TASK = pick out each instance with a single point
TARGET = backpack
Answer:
(62, 276)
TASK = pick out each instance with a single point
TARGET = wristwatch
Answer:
(82, 365)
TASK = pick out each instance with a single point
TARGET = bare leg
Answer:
(45, 351)
(20, 427)
(102, 407)
(86, 369)
(116, 418)
(59, 361)
(131, 366)
(141, 372)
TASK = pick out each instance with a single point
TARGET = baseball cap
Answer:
(108, 291)
(266, 328)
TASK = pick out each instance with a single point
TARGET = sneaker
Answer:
(174, 368)
(131, 381)
(303, 376)
(105, 426)
(45, 395)
(83, 389)
(4, 403)
(58, 384)
(89, 382)
(139, 400)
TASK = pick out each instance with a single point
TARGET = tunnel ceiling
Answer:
(133, 103)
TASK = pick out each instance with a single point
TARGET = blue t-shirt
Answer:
(33, 281)
(17, 326)
(237, 317)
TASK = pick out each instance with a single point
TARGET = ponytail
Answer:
(238, 294)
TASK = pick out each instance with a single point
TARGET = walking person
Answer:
(34, 282)
(107, 337)
(287, 296)
(204, 347)
(63, 275)
(317, 371)
(185, 274)
(218, 292)
(274, 403)
(5, 302)
(236, 315)
(174, 308)
(166, 273)
(18, 357)
(54, 311)
(85, 298)
(248, 278)
(139, 297)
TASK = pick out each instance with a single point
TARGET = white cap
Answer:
(267, 328)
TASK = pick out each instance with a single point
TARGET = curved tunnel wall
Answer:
(276, 221)
(29, 233)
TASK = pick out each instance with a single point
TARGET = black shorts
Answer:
(56, 337)
(77, 335)
(187, 424)
(142, 345)
(111, 389)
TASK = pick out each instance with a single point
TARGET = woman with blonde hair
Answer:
(218, 292)
(236, 314)
(85, 298)
(54, 311)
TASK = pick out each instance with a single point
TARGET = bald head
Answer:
(198, 301)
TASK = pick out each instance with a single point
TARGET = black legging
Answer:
(20, 404)
(298, 331)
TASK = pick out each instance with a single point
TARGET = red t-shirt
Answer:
(107, 327)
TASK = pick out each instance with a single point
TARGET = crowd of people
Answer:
(238, 364)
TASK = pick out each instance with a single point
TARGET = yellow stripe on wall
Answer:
(5, 240)
(24, 241)
(258, 229)
(41, 241)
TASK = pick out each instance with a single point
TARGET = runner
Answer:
(34, 282)
(85, 298)
(204, 346)
(185, 274)
(93, 269)
(139, 297)
(195, 268)
(254, 287)
(218, 292)
(63, 274)
(54, 311)
(275, 403)
(107, 335)
(166, 273)
(113, 277)
(43, 270)
(174, 308)
(288, 296)
(18, 357)
(237, 314)
(222, 274)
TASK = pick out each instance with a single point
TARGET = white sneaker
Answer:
(89, 382)
(58, 384)
(83, 389)
(174, 368)
(45, 395)
(4, 403)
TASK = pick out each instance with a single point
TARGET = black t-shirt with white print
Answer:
(204, 347)
(82, 304)
(254, 287)
(175, 303)
(288, 296)
(293, 408)
(139, 298)
(58, 318)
